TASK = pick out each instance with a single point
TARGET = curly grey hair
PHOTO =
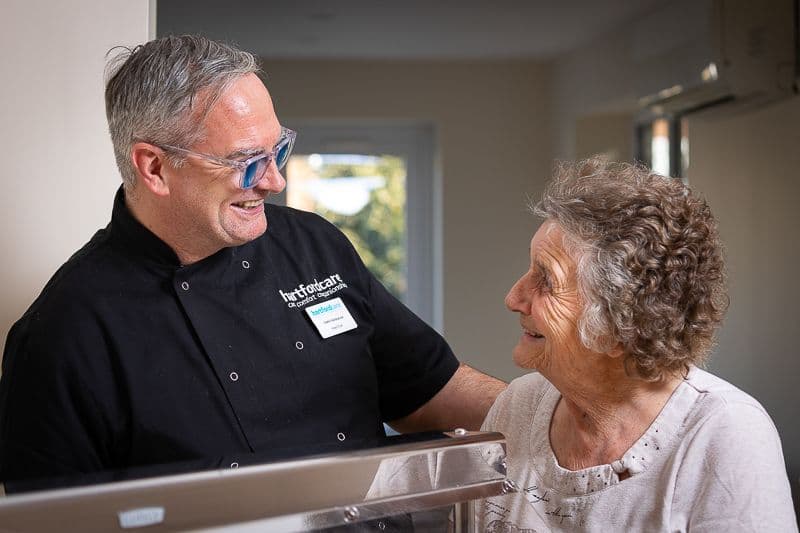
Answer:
(649, 260)
(159, 92)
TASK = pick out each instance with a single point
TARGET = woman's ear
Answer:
(616, 351)
(149, 161)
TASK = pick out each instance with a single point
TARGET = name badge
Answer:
(331, 317)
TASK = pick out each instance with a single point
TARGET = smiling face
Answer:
(547, 300)
(208, 210)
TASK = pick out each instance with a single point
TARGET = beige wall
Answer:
(610, 134)
(494, 149)
(594, 81)
(58, 168)
(747, 165)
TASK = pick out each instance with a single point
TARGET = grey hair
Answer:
(160, 91)
(650, 264)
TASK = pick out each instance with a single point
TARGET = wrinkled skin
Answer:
(602, 409)
(548, 302)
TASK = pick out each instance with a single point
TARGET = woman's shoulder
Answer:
(519, 402)
(730, 422)
(730, 434)
(528, 384)
(719, 398)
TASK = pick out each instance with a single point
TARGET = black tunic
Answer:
(128, 358)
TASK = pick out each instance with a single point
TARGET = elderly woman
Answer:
(619, 429)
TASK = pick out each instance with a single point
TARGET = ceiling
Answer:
(409, 29)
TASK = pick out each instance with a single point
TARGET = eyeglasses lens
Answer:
(283, 154)
(254, 172)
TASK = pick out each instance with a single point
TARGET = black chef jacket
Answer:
(128, 358)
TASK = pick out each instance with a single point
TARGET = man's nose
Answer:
(272, 181)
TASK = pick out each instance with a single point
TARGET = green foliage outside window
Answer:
(378, 230)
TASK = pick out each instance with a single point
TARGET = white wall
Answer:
(494, 149)
(58, 166)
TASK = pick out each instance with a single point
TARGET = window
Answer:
(662, 143)
(376, 183)
(365, 197)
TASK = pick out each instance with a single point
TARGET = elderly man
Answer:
(186, 327)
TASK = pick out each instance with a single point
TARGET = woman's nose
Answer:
(516, 299)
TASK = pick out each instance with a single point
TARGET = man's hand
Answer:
(462, 403)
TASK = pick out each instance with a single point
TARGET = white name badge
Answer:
(331, 317)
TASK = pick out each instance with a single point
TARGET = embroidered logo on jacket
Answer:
(308, 292)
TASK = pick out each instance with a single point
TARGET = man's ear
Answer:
(149, 162)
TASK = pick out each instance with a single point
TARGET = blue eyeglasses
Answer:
(253, 169)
